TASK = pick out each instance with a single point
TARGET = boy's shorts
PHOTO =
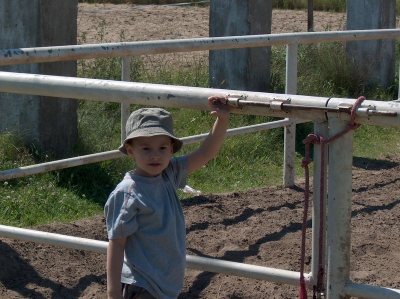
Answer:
(130, 291)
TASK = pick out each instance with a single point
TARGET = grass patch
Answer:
(375, 142)
(36, 199)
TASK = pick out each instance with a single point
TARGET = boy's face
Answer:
(151, 154)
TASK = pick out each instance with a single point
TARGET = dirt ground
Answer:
(108, 22)
(149, 22)
(260, 227)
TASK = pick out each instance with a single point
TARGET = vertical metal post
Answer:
(339, 209)
(398, 92)
(291, 68)
(310, 16)
(290, 130)
(321, 129)
(125, 108)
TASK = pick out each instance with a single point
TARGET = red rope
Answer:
(311, 138)
(316, 139)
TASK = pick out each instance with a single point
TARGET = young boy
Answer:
(145, 222)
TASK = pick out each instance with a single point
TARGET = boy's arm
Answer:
(211, 145)
(115, 258)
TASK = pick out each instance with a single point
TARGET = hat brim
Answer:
(177, 144)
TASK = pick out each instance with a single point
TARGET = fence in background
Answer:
(288, 106)
(125, 50)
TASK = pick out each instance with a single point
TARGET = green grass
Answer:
(39, 198)
(375, 142)
(244, 162)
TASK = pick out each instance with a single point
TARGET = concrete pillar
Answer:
(241, 69)
(375, 60)
(49, 124)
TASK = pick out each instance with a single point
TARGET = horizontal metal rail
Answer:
(370, 292)
(192, 262)
(244, 270)
(124, 49)
(191, 97)
(115, 154)
(196, 262)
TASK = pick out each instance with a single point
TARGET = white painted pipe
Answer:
(358, 290)
(290, 130)
(192, 262)
(291, 68)
(340, 164)
(243, 270)
(125, 107)
(321, 129)
(60, 164)
(187, 97)
(99, 157)
(89, 51)
(53, 239)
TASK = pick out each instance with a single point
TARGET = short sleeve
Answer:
(179, 168)
(120, 213)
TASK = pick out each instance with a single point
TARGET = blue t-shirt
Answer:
(148, 213)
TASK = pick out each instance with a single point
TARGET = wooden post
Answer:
(373, 60)
(49, 124)
(240, 69)
(310, 16)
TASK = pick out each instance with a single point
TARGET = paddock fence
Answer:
(329, 115)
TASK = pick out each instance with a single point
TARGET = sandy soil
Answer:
(108, 22)
(261, 227)
(150, 22)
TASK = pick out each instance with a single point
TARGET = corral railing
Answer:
(127, 49)
(330, 116)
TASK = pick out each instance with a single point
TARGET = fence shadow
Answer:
(373, 164)
(16, 274)
(203, 280)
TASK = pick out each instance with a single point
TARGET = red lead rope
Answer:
(316, 139)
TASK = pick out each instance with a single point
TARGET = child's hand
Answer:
(218, 105)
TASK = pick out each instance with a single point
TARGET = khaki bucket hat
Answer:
(147, 122)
